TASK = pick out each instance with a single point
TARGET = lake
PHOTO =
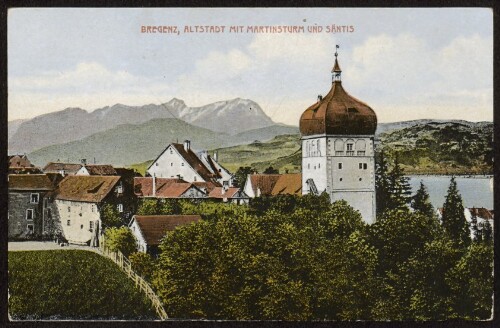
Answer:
(476, 191)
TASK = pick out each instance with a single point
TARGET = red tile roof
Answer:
(154, 227)
(165, 187)
(288, 184)
(29, 182)
(264, 182)
(218, 192)
(56, 167)
(19, 161)
(100, 169)
(195, 162)
(481, 212)
(208, 186)
(86, 188)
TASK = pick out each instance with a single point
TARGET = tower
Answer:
(338, 148)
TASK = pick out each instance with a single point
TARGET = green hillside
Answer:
(129, 143)
(442, 148)
(282, 152)
(73, 285)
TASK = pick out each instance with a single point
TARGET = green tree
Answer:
(169, 206)
(240, 177)
(271, 170)
(148, 206)
(453, 219)
(143, 264)
(399, 187)
(421, 202)
(120, 239)
(487, 232)
(382, 185)
(471, 283)
(110, 216)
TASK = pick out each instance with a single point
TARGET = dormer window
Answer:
(34, 198)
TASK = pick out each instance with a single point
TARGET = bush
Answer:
(120, 239)
(142, 264)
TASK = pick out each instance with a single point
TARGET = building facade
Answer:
(338, 156)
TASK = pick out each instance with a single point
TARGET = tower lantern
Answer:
(336, 71)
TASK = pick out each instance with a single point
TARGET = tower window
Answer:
(350, 151)
(340, 179)
(360, 166)
(361, 153)
(360, 179)
(308, 166)
(365, 166)
(319, 165)
(340, 166)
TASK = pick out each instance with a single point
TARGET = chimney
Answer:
(84, 161)
(215, 156)
(320, 97)
(187, 145)
(154, 185)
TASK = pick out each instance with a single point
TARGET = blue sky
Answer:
(405, 63)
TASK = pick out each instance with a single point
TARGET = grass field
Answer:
(72, 285)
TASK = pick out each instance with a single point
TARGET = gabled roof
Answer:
(193, 161)
(154, 227)
(30, 182)
(56, 167)
(264, 182)
(481, 212)
(288, 184)
(86, 188)
(219, 192)
(165, 187)
(100, 169)
(19, 161)
(126, 172)
(208, 186)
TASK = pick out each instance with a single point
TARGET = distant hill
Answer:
(127, 144)
(71, 124)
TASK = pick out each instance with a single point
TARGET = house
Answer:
(482, 215)
(150, 229)
(96, 169)
(273, 184)
(152, 187)
(31, 212)
(20, 164)
(180, 161)
(229, 194)
(80, 199)
(62, 168)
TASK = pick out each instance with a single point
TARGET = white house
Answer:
(338, 154)
(150, 229)
(180, 161)
(79, 200)
(273, 184)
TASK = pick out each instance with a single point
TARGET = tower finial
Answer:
(336, 71)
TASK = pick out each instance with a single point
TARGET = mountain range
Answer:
(71, 124)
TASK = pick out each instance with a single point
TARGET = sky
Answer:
(405, 63)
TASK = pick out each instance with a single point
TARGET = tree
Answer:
(120, 239)
(148, 207)
(487, 231)
(453, 219)
(142, 264)
(382, 183)
(399, 187)
(271, 170)
(421, 202)
(240, 177)
(110, 216)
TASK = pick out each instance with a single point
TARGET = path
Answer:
(44, 245)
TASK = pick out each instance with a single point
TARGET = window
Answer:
(81, 226)
(349, 151)
(340, 179)
(194, 179)
(319, 165)
(339, 153)
(92, 208)
(49, 213)
(156, 164)
(119, 188)
(365, 166)
(182, 164)
(120, 208)
(68, 223)
(91, 226)
(349, 146)
(340, 166)
(308, 166)
(171, 152)
(69, 208)
(171, 164)
(360, 179)
(30, 228)
(360, 166)
(34, 198)
(30, 214)
(361, 153)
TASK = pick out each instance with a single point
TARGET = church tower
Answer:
(338, 154)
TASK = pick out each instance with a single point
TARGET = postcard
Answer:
(298, 164)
